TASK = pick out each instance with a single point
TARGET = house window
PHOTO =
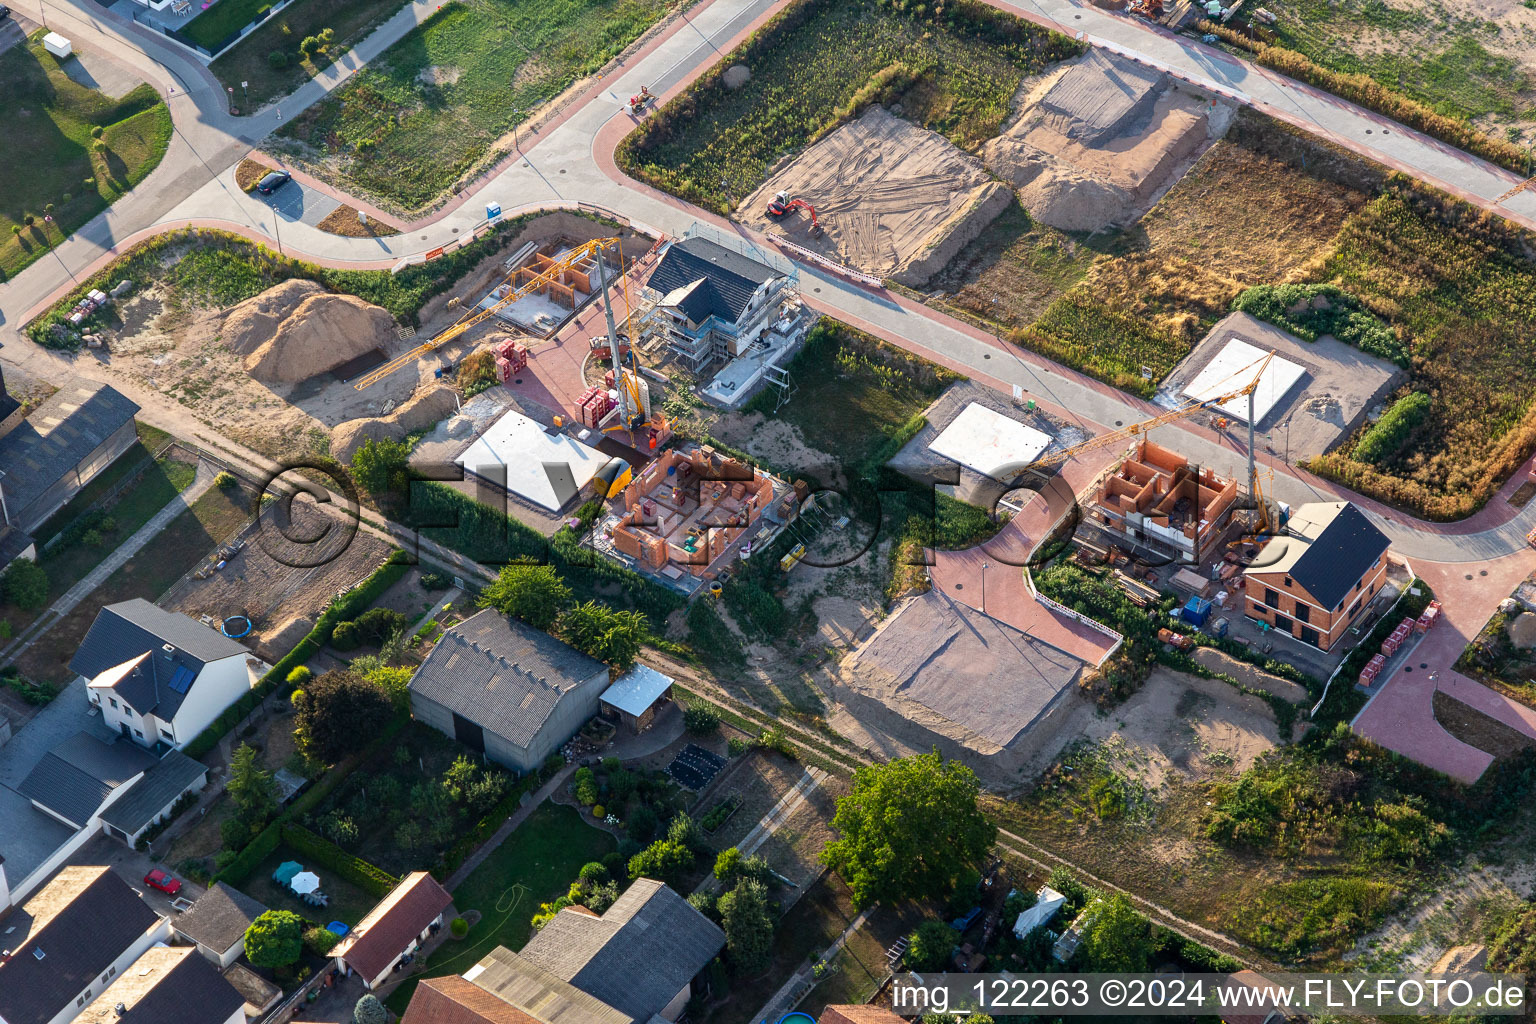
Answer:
(1303, 613)
(1288, 583)
(113, 702)
(139, 733)
(1271, 597)
(167, 734)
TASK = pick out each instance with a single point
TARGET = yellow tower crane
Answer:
(475, 316)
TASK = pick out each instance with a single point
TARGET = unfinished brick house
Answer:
(1156, 499)
(690, 509)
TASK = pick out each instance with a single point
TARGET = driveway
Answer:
(61, 719)
(296, 201)
(131, 866)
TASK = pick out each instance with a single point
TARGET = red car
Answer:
(158, 879)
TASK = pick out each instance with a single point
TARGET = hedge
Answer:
(373, 880)
(244, 863)
(1388, 435)
(344, 607)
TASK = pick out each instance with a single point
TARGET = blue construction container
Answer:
(1197, 611)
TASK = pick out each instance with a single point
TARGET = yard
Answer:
(252, 72)
(348, 904)
(51, 164)
(818, 62)
(186, 541)
(406, 127)
(220, 22)
(395, 811)
(534, 865)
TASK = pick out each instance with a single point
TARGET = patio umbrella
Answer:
(305, 881)
(285, 871)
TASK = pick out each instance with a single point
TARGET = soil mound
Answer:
(322, 332)
(421, 411)
(255, 320)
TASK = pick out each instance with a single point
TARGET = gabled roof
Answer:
(637, 955)
(166, 985)
(76, 776)
(502, 675)
(80, 922)
(453, 1000)
(528, 987)
(125, 633)
(162, 784)
(380, 937)
(1328, 546)
(219, 918)
(854, 1014)
(731, 278)
(55, 438)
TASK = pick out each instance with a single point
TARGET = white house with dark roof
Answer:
(217, 922)
(159, 677)
(714, 301)
(635, 963)
(167, 985)
(69, 942)
(507, 690)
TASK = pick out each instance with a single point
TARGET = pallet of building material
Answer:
(1140, 594)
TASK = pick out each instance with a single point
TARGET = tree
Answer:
(748, 926)
(908, 829)
(607, 635)
(369, 1011)
(339, 713)
(665, 859)
(534, 593)
(1117, 938)
(25, 584)
(379, 466)
(930, 946)
(252, 788)
(275, 939)
(727, 864)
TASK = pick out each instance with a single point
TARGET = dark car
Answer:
(158, 879)
(5, 12)
(272, 182)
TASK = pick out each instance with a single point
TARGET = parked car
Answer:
(158, 879)
(272, 182)
(5, 12)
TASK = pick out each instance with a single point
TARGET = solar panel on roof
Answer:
(182, 678)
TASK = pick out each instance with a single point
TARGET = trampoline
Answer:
(235, 626)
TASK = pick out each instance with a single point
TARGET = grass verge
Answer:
(256, 77)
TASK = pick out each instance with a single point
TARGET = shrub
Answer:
(96, 132)
(665, 859)
(458, 928)
(431, 581)
(701, 719)
(309, 45)
(377, 625)
(584, 784)
(1388, 435)
(369, 1010)
(320, 941)
(345, 637)
(1295, 307)
(277, 60)
(598, 812)
(25, 584)
(299, 676)
(225, 480)
(930, 946)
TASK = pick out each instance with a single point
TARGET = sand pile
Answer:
(895, 200)
(419, 412)
(1098, 141)
(318, 334)
(255, 320)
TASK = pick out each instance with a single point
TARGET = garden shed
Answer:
(636, 696)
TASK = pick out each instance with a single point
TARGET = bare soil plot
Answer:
(270, 581)
(760, 783)
(894, 200)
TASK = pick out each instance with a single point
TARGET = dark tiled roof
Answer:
(125, 631)
(166, 986)
(57, 437)
(381, 936)
(171, 776)
(452, 1000)
(91, 917)
(1339, 556)
(731, 278)
(219, 918)
(502, 675)
(75, 777)
(637, 955)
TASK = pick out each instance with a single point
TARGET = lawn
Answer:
(820, 61)
(47, 121)
(349, 904)
(185, 541)
(406, 127)
(1465, 67)
(536, 864)
(250, 61)
(215, 26)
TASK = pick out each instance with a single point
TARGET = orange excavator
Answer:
(782, 206)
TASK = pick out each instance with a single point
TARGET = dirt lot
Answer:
(269, 581)
(894, 199)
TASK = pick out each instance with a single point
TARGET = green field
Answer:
(818, 62)
(405, 128)
(1463, 67)
(48, 158)
(536, 864)
(250, 62)
(226, 17)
